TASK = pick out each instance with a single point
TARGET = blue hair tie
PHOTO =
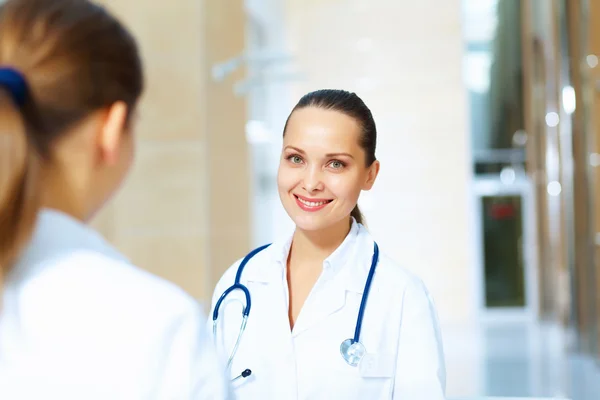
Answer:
(14, 81)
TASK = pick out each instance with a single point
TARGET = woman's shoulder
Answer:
(67, 258)
(403, 281)
(97, 309)
(102, 289)
(387, 268)
(397, 272)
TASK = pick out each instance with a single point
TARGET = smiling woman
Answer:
(311, 289)
(346, 144)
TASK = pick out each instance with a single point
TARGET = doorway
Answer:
(505, 227)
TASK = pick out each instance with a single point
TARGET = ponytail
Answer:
(358, 215)
(19, 182)
(46, 89)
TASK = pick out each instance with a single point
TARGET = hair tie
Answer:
(14, 81)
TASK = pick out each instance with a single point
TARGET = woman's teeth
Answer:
(313, 203)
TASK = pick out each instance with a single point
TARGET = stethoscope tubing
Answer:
(246, 311)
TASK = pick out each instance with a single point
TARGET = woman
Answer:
(77, 320)
(306, 289)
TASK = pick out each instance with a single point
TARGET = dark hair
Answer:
(75, 58)
(351, 105)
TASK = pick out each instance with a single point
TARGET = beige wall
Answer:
(228, 159)
(173, 216)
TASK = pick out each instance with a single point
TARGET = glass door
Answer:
(503, 263)
(505, 228)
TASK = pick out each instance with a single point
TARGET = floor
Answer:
(517, 359)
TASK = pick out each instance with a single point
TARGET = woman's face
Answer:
(322, 168)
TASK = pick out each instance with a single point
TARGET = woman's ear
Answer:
(371, 175)
(113, 128)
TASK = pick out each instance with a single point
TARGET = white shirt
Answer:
(78, 321)
(400, 331)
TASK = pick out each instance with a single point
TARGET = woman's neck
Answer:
(316, 246)
(61, 192)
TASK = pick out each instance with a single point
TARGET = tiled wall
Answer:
(174, 216)
(404, 58)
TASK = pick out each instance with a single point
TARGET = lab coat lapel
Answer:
(325, 301)
(332, 295)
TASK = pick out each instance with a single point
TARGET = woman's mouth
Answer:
(311, 205)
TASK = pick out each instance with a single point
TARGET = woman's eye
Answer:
(295, 159)
(336, 164)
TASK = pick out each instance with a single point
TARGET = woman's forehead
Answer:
(320, 128)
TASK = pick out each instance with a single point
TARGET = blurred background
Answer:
(488, 140)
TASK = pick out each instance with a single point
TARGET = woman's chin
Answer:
(309, 222)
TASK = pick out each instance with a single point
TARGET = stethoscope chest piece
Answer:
(352, 351)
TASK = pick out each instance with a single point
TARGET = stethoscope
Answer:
(352, 350)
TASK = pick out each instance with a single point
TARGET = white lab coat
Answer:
(400, 330)
(78, 321)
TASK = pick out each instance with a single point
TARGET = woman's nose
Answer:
(313, 180)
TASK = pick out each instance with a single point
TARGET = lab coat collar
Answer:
(344, 271)
(280, 250)
(270, 264)
(340, 257)
(359, 264)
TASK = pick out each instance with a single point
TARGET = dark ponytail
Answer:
(351, 105)
(357, 215)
